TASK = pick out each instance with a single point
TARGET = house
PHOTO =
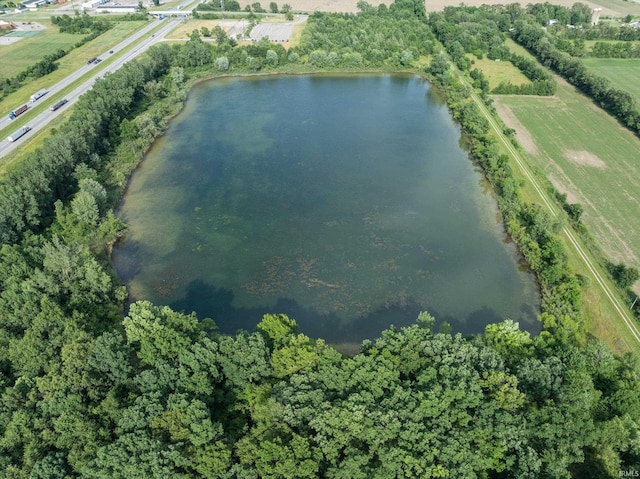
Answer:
(33, 4)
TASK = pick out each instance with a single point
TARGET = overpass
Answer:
(169, 13)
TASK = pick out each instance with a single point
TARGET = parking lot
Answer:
(277, 32)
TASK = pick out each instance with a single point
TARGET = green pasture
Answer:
(588, 155)
(498, 72)
(622, 73)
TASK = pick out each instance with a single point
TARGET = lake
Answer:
(345, 202)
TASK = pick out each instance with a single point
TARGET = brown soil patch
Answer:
(584, 158)
(562, 188)
(522, 134)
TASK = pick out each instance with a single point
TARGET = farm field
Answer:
(622, 73)
(586, 154)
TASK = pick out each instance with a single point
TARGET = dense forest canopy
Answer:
(86, 392)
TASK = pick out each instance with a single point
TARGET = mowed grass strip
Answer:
(623, 74)
(500, 71)
(588, 155)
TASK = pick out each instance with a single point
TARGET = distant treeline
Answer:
(615, 50)
(214, 6)
(603, 31)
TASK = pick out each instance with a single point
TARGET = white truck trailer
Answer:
(19, 133)
(39, 94)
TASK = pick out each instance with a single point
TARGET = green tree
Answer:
(277, 330)
(222, 64)
(158, 332)
(271, 58)
(624, 276)
(439, 65)
(195, 52)
(220, 35)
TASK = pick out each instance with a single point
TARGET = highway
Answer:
(144, 39)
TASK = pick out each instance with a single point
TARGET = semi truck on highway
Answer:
(58, 104)
(39, 94)
(19, 133)
(18, 111)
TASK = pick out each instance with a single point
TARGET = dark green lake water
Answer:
(345, 202)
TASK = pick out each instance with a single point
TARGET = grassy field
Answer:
(498, 72)
(69, 63)
(21, 54)
(183, 30)
(589, 156)
(518, 49)
(622, 73)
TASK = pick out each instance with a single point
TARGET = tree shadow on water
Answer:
(210, 301)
